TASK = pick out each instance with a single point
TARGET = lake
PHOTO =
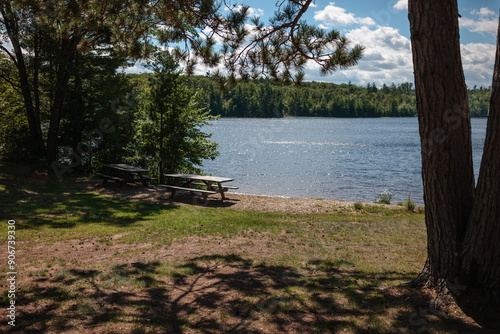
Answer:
(330, 158)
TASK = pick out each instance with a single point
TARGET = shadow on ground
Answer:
(228, 294)
(34, 201)
(160, 195)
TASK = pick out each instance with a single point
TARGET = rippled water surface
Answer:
(331, 158)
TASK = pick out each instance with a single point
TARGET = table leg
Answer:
(143, 180)
(221, 191)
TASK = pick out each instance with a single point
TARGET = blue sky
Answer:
(382, 27)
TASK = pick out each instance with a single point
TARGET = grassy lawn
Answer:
(98, 264)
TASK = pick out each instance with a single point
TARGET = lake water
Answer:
(330, 158)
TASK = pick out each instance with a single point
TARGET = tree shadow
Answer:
(156, 194)
(229, 294)
(213, 201)
(482, 306)
(67, 204)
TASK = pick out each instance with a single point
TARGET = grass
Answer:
(101, 264)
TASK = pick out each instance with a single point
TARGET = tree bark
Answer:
(445, 132)
(68, 49)
(481, 264)
(463, 222)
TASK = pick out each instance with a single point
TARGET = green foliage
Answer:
(170, 121)
(384, 197)
(50, 42)
(409, 204)
(98, 123)
(15, 142)
(58, 74)
(258, 98)
(479, 100)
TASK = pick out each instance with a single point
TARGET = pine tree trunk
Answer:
(463, 222)
(68, 49)
(481, 264)
(55, 118)
(444, 123)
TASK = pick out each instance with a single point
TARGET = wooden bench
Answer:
(194, 190)
(214, 186)
(105, 178)
(230, 187)
(191, 182)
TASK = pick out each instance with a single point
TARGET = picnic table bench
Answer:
(192, 182)
(125, 173)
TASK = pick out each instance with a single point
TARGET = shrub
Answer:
(384, 197)
(409, 204)
(358, 206)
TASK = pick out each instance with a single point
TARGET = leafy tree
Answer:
(172, 117)
(14, 141)
(97, 125)
(54, 32)
(462, 219)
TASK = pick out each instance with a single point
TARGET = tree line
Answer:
(260, 98)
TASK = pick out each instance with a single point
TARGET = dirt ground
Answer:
(234, 200)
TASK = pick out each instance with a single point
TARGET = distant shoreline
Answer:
(332, 117)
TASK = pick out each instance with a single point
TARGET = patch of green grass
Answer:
(62, 275)
(43, 272)
(57, 294)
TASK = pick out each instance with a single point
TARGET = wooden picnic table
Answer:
(124, 173)
(190, 182)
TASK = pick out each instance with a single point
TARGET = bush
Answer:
(358, 206)
(384, 197)
(409, 204)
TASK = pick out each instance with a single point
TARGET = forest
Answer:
(260, 98)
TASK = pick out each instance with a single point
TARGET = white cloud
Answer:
(255, 11)
(483, 11)
(332, 15)
(401, 5)
(137, 68)
(386, 59)
(383, 39)
(484, 21)
(478, 60)
(251, 11)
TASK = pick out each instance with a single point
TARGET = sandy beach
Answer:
(234, 200)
